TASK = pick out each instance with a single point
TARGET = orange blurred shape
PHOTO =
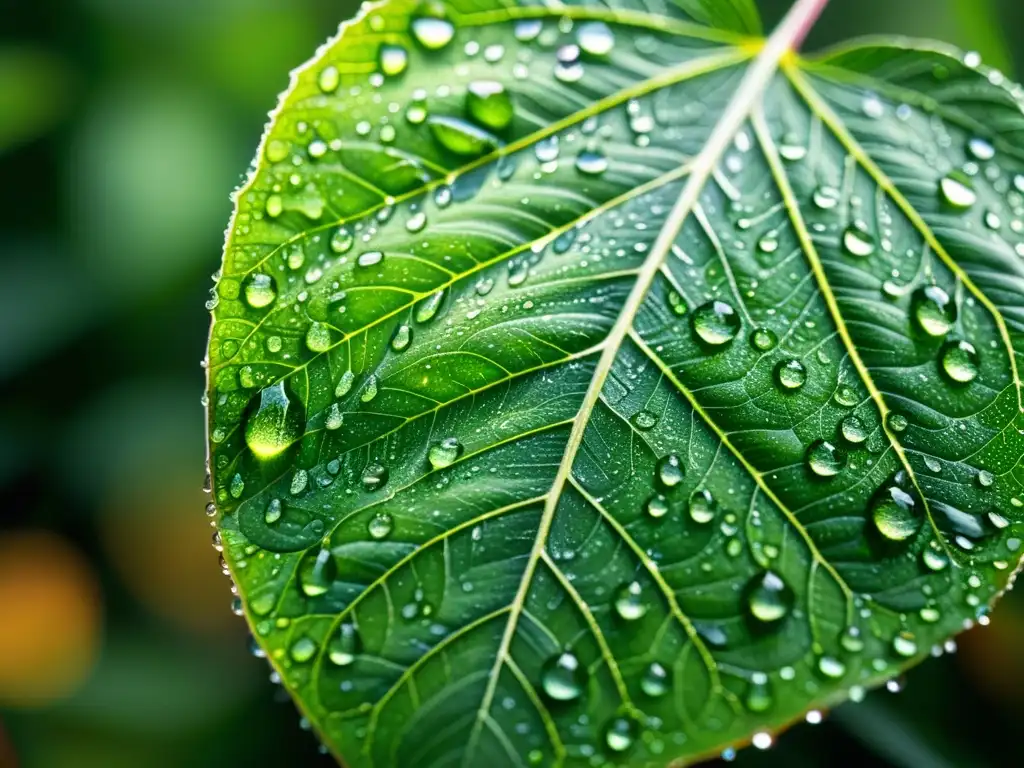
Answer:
(51, 618)
(992, 655)
(159, 542)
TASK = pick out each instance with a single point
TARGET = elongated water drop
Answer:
(702, 506)
(275, 424)
(317, 572)
(460, 136)
(427, 309)
(629, 601)
(344, 384)
(403, 335)
(489, 104)
(595, 38)
(345, 646)
(380, 526)
(654, 681)
(318, 337)
(302, 650)
(260, 291)
(393, 59)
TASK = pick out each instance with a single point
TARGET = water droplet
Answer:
(644, 420)
(846, 396)
(380, 526)
(769, 598)
(791, 374)
(715, 323)
(460, 136)
(299, 481)
(853, 430)
(375, 476)
(655, 680)
(657, 505)
(318, 337)
(595, 38)
(273, 512)
(763, 339)
(427, 309)
(370, 258)
(489, 104)
(904, 645)
(980, 149)
(392, 59)
(342, 240)
(370, 390)
(400, 341)
(960, 361)
(702, 506)
(831, 667)
(858, 241)
(759, 694)
(317, 572)
(895, 513)
(933, 310)
(591, 163)
(620, 733)
(344, 384)
(343, 648)
(934, 558)
(985, 478)
(824, 459)
(629, 601)
(260, 291)
(563, 677)
(329, 79)
(430, 27)
(826, 198)
(670, 470)
(957, 191)
(275, 424)
(768, 244)
(528, 29)
(897, 422)
(302, 650)
(334, 418)
(852, 640)
(444, 453)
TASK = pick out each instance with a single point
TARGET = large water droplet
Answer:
(317, 572)
(769, 598)
(403, 336)
(629, 601)
(715, 323)
(670, 470)
(933, 310)
(790, 374)
(894, 511)
(957, 191)
(489, 104)
(655, 680)
(344, 384)
(318, 337)
(831, 667)
(657, 505)
(392, 59)
(427, 309)
(591, 163)
(260, 291)
(375, 476)
(824, 459)
(275, 424)
(595, 38)
(563, 677)
(858, 241)
(764, 339)
(759, 694)
(430, 27)
(702, 506)
(380, 526)
(644, 420)
(853, 430)
(345, 646)
(302, 650)
(444, 453)
(620, 733)
(960, 361)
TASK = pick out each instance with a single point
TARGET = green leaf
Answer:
(592, 386)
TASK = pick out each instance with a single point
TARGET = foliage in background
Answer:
(101, 424)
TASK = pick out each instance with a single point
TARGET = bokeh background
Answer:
(124, 124)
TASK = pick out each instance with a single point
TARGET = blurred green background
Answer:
(124, 124)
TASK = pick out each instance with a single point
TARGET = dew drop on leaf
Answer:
(403, 336)
(393, 59)
(904, 645)
(563, 677)
(317, 572)
(444, 453)
(273, 511)
(427, 309)
(318, 337)
(759, 695)
(275, 424)
(763, 339)
(894, 512)
(302, 650)
(375, 476)
(824, 459)
(370, 258)
(670, 470)
(345, 646)
(715, 323)
(629, 601)
(595, 38)
(853, 430)
(654, 681)
(790, 374)
(329, 79)
(957, 191)
(334, 418)
(644, 420)
(960, 361)
(260, 291)
(857, 241)
(380, 526)
(430, 27)
(620, 733)
(769, 598)
(591, 163)
(657, 505)
(489, 104)
(933, 310)
(344, 384)
(702, 506)
(831, 667)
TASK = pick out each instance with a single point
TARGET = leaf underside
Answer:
(520, 460)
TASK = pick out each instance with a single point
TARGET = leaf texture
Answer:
(596, 384)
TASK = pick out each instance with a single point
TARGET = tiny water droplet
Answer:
(858, 241)
(393, 59)
(657, 506)
(644, 420)
(620, 733)
(763, 339)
